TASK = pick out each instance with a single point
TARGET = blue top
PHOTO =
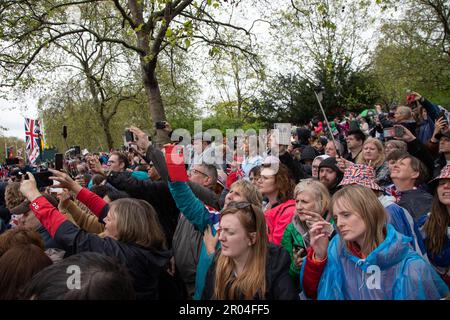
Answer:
(393, 271)
(200, 216)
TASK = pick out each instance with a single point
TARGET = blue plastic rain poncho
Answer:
(393, 271)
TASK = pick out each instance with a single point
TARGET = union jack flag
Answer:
(32, 139)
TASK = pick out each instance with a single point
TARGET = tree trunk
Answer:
(107, 131)
(155, 101)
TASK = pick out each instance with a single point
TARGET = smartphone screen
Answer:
(398, 131)
(129, 136)
(389, 132)
(42, 179)
(59, 161)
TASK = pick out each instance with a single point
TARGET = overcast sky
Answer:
(13, 119)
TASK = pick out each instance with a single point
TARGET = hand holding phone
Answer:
(129, 136)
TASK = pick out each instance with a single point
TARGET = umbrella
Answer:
(368, 113)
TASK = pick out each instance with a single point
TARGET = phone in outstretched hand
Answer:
(129, 136)
(59, 158)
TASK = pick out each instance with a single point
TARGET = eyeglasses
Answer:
(198, 172)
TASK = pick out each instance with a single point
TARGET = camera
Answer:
(160, 125)
(12, 161)
(129, 136)
(393, 132)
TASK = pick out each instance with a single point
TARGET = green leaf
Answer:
(187, 43)
(169, 32)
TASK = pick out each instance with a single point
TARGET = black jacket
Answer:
(278, 282)
(156, 193)
(417, 202)
(146, 266)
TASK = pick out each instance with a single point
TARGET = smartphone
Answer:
(13, 161)
(398, 131)
(160, 125)
(442, 115)
(298, 248)
(389, 132)
(59, 161)
(43, 179)
(129, 136)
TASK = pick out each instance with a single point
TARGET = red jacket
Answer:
(277, 220)
(313, 271)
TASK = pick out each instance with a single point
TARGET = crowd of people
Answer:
(355, 209)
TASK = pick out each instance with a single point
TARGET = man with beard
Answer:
(330, 175)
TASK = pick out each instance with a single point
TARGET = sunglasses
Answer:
(242, 205)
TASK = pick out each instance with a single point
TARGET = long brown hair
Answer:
(436, 226)
(137, 222)
(252, 281)
(284, 182)
(19, 236)
(363, 202)
(17, 266)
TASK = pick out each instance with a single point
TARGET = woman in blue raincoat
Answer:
(367, 260)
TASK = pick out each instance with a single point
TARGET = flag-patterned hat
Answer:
(362, 175)
(445, 174)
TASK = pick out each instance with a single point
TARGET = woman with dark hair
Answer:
(277, 188)
(101, 278)
(247, 266)
(132, 233)
(17, 266)
(436, 226)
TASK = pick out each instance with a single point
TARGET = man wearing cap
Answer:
(330, 175)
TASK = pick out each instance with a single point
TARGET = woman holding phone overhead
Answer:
(132, 233)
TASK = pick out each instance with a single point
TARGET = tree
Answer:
(429, 21)
(402, 62)
(322, 42)
(149, 28)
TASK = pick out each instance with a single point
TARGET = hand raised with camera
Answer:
(142, 141)
(417, 96)
(439, 125)
(65, 181)
(407, 135)
(29, 188)
(95, 165)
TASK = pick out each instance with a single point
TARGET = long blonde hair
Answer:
(252, 281)
(363, 202)
(381, 156)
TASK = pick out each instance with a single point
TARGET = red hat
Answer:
(362, 175)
